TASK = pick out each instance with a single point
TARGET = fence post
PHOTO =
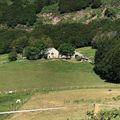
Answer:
(96, 108)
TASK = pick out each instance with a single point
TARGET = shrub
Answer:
(35, 50)
(73, 5)
(50, 9)
(96, 3)
(105, 115)
(110, 13)
(116, 98)
(66, 49)
(12, 55)
(7, 37)
(20, 44)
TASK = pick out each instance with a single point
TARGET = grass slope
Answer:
(48, 74)
(77, 103)
(87, 51)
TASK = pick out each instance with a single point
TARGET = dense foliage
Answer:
(66, 49)
(12, 55)
(108, 53)
(35, 50)
(77, 34)
(73, 5)
(9, 39)
(22, 12)
(13, 14)
(105, 115)
(108, 60)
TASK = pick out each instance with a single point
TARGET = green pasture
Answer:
(48, 74)
(87, 51)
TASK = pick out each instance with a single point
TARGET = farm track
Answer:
(32, 110)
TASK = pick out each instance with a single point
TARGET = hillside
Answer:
(89, 30)
(45, 75)
(26, 23)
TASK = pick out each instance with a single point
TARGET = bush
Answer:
(73, 5)
(110, 13)
(35, 50)
(50, 9)
(66, 49)
(20, 44)
(96, 3)
(7, 37)
(12, 55)
(105, 115)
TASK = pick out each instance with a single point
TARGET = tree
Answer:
(66, 49)
(107, 59)
(39, 4)
(35, 50)
(96, 3)
(20, 44)
(12, 55)
(110, 13)
(19, 12)
(74, 5)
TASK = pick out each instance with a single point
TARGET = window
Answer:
(52, 53)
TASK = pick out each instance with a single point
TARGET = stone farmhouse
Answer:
(51, 53)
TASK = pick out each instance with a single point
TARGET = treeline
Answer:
(107, 62)
(11, 38)
(77, 34)
(14, 12)
(107, 58)
(73, 5)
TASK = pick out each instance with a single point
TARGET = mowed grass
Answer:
(8, 102)
(87, 51)
(76, 103)
(46, 74)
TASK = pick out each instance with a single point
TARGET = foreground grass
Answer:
(48, 74)
(8, 102)
(76, 103)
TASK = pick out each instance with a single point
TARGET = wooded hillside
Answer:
(22, 24)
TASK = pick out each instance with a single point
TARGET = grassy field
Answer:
(53, 75)
(76, 103)
(8, 102)
(48, 74)
(87, 51)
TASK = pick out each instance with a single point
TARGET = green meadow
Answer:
(26, 77)
(87, 51)
(48, 74)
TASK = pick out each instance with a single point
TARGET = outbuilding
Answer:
(51, 53)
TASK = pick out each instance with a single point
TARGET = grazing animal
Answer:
(18, 101)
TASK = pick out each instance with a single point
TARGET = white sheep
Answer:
(10, 92)
(18, 101)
